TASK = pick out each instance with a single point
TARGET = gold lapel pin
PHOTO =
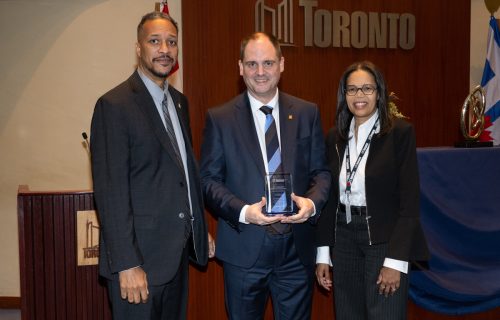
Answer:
(290, 117)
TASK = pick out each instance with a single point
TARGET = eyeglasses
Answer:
(367, 89)
(253, 65)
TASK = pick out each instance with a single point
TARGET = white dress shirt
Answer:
(259, 119)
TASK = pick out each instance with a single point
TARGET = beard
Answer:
(158, 72)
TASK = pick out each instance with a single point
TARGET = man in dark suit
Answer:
(264, 254)
(146, 184)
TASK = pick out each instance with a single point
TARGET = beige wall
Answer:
(57, 58)
(479, 34)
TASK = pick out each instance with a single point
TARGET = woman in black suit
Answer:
(371, 222)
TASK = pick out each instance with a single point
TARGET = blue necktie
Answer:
(274, 164)
(272, 142)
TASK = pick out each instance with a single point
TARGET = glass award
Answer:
(279, 194)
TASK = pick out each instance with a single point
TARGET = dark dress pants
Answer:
(356, 266)
(165, 302)
(278, 272)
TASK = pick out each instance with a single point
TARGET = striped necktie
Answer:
(170, 131)
(274, 165)
(272, 142)
(175, 146)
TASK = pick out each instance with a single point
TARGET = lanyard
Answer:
(350, 174)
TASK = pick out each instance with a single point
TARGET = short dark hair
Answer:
(344, 116)
(258, 35)
(153, 16)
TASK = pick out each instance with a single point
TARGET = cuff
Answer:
(401, 266)
(243, 211)
(323, 255)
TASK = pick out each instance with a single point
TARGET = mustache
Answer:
(164, 57)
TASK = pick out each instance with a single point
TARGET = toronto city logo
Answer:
(91, 250)
(87, 237)
(333, 28)
(281, 20)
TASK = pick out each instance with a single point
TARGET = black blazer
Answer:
(140, 190)
(392, 193)
(232, 171)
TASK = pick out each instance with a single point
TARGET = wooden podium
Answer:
(53, 286)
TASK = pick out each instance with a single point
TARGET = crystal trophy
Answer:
(279, 194)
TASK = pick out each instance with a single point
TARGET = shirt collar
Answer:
(364, 129)
(256, 104)
(156, 92)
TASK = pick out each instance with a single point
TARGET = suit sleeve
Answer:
(320, 181)
(110, 172)
(401, 240)
(326, 223)
(219, 199)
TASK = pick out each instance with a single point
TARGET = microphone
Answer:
(85, 142)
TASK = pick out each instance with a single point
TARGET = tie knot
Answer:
(267, 110)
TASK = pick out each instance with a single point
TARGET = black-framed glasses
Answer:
(367, 89)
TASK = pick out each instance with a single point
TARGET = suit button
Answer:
(181, 184)
(181, 215)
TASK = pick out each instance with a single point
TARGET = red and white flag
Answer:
(491, 85)
(164, 9)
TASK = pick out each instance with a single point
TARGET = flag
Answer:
(164, 9)
(491, 85)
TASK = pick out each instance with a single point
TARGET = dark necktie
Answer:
(170, 131)
(274, 164)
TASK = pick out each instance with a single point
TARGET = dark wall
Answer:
(431, 80)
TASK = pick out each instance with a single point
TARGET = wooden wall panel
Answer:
(431, 81)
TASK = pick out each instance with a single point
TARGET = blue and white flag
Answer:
(491, 85)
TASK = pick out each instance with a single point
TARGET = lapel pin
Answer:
(179, 105)
(290, 117)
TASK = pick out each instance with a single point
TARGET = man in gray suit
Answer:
(146, 183)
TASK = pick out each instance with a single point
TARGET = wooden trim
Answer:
(25, 190)
(10, 302)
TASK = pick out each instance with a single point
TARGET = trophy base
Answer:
(473, 144)
(270, 214)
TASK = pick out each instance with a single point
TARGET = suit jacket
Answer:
(140, 190)
(392, 193)
(232, 173)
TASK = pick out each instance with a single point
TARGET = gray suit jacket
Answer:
(140, 191)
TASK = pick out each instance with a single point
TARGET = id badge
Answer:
(348, 216)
